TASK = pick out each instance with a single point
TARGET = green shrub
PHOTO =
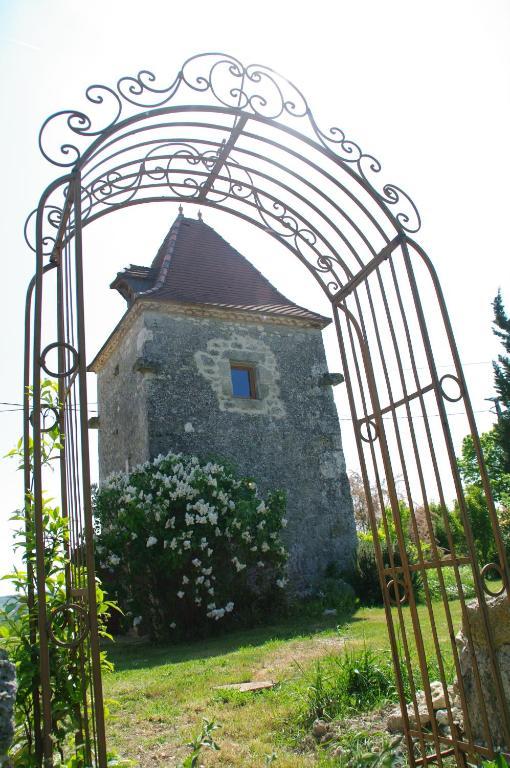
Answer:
(201, 740)
(365, 579)
(478, 512)
(321, 699)
(452, 593)
(498, 762)
(367, 680)
(184, 545)
(335, 593)
(366, 576)
(67, 677)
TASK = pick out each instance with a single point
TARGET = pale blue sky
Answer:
(422, 85)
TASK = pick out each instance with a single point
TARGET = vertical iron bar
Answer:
(29, 529)
(413, 437)
(44, 657)
(373, 523)
(61, 413)
(407, 482)
(87, 505)
(453, 552)
(361, 334)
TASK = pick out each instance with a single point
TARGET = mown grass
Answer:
(162, 693)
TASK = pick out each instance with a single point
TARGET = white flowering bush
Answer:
(184, 546)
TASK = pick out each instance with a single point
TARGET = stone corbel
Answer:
(331, 379)
(144, 365)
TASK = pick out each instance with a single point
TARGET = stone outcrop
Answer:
(7, 700)
(472, 664)
(499, 619)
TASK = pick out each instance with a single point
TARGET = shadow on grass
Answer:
(125, 653)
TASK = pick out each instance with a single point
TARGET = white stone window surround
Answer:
(215, 366)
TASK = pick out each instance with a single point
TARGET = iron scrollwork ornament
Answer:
(183, 169)
(253, 90)
(51, 223)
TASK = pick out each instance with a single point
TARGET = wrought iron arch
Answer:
(243, 140)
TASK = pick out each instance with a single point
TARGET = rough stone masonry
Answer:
(166, 382)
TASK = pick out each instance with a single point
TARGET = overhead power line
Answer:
(341, 418)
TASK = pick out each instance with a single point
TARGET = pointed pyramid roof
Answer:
(195, 265)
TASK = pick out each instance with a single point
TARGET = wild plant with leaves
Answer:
(202, 740)
(18, 621)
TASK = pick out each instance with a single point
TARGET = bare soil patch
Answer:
(281, 661)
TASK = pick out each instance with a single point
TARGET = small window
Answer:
(243, 380)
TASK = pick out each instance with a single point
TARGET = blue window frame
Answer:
(243, 380)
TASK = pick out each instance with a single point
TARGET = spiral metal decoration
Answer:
(180, 168)
(253, 90)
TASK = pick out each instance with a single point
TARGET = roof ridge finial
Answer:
(180, 210)
(200, 215)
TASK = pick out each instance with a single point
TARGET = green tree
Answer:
(494, 461)
(478, 512)
(502, 378)
(438, 514)
(475, 496)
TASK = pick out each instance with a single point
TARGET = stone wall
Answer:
(177, 368)
(123, 430)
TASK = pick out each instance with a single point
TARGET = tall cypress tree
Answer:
(502, 377)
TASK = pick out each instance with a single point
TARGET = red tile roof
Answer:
(195, 265)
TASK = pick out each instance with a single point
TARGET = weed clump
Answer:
(358, 681)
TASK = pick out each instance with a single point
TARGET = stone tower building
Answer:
(211, 359)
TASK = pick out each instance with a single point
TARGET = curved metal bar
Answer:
(255, 171)
(280, 166)
(359, 231)
(323, 266)
(366, 165)
(265, 140)
(224, 209)
(288, 217)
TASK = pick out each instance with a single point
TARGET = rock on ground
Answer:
(7, 700)
(499, 618)
(421, 714)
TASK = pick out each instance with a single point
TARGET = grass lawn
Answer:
(160, 694)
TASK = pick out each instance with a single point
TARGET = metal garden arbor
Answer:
(244, 141)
